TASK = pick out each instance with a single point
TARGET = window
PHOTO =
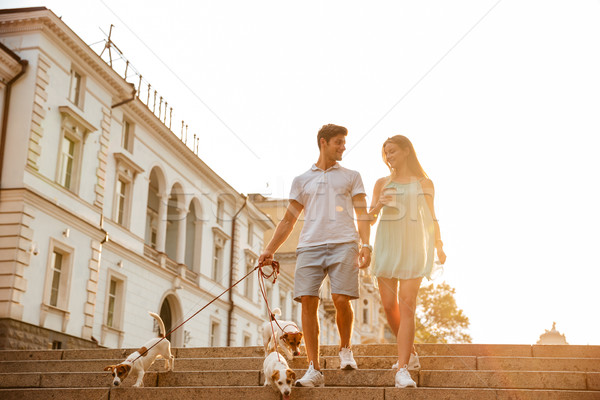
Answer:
(251, 258)
(74, 131)
(56, 293)
(214, 334)
(67, 159)
(365, 312)
(220, 238)
(127, 170)
(220, 211)
(247, 340)
(127, 138)
(75, 89)
(250, 233)
(114, 299)
(122, 197)
(249, 289)
(153, 238)
(57, 259)
(216, 270)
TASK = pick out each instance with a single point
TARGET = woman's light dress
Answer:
(404, 242)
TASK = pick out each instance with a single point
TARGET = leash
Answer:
(261, 276)
(263, 292)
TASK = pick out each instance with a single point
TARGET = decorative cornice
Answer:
(122, 158)
(219, 232)
(45, 21)
(250, 254)
(9, 67)
(74, 115)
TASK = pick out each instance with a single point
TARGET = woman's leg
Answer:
(388, 289)
(407, 304)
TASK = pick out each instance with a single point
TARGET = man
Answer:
(329, 195)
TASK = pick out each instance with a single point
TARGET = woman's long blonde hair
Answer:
(413, 162)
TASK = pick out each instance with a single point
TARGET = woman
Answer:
(405, 240)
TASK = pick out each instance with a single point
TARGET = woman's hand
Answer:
(440, 253)
(385, 199)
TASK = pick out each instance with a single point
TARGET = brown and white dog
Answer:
(287, 334)
(139, 361)
(278, 374)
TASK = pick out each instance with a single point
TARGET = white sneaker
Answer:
(312, 378)
(413, 363)
(403, 378)
(347, 359)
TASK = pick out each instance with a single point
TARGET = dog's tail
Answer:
(276, 311)
(161, 325)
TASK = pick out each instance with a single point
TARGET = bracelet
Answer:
(368, 246)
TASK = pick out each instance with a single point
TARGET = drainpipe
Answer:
(133, 96)
(24, 64)
(230, 314)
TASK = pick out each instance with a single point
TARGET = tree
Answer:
(439, 320)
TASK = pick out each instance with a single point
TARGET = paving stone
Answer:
(593, 381)
(427, 362)
(20, 380)
(504, 379)
(30, 355)
(538, 364)
(55, 394)
(365, 377)
(209, 378)
(487, 394)
(569, 351)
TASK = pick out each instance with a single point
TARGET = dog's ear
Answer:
(299, 335)
(123, 370)
(290, 375)
(109, 368)
(285, 337)
(275, 376)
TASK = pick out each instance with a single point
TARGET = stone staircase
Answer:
(459, 371)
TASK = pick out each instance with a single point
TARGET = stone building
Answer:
(105, 212)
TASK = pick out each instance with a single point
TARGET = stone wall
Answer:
(16, 335)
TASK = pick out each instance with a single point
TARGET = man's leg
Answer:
(310, 328)
(344, 318)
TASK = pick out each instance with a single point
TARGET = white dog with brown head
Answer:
(140, 361)
(278, 374)
(287, 336)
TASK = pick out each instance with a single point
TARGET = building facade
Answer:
(105, 213)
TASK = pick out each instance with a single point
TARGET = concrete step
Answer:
(466, 350)
(330, 362)
(181, 364)
(266, 393)
(360, 378)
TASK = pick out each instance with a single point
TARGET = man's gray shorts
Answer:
(338, 260)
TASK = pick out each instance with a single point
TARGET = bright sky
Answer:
(501, 100)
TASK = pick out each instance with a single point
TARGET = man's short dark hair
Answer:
(328, 131)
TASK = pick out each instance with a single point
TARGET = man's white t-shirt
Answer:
(327, 200)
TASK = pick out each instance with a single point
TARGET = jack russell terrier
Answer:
(278, 374)
(287, 335)
(140, 361)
